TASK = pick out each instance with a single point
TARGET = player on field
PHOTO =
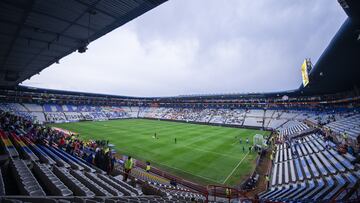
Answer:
(175, 140)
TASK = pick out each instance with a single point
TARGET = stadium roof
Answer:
(338, 68)
(35, 34)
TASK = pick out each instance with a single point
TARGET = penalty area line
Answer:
(235, 168)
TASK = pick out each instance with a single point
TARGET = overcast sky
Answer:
(202, 47)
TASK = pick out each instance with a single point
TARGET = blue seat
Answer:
(312, 166)
(87, 166)
(298, 169)
(330, 184)
(57, 159)
(305, 167)
(320, 185)
(274, 174)
(280, 173)
(342, 160)
(322, 169)
(329, 167)
(292, 171)
(71, 162)
(304, 190)
(336, 163)
(340, 184)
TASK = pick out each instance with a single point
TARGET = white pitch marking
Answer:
(235, 168)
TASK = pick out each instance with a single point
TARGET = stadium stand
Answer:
(42, 169)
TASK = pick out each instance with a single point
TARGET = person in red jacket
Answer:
(61, 142)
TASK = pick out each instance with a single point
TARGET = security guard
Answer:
(148, 167)
(128, 165)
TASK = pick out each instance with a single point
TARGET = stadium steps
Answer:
(86, 166)
(326, 162)
(296, 188)
(274, 175)
(278, 191)
(119, 187)
(262, 170)
(330, 185)
(103, 184)
(51, 181)
(299, 170)
(71, 162)
(39, 152)
(312, 166)
(271, 117)
(125, 185)
(25, 180)
(94, 187)
(8, 145)
(342, 160)
(265, 195)
(341, 183)
(303, 189)
(59, 161)
(319, 164)
(353, 187)
(72, 183)
(292, 171)
(23, 148)
(285, 190)
(320, 185)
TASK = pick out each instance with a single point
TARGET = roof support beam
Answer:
(63, 31)
(99, 10)
(41, 30)
(12, 3)
(20, 26)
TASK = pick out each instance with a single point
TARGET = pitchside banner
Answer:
(304, 73)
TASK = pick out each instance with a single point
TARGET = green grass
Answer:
(204, 154)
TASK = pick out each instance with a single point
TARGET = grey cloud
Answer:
(202, 46)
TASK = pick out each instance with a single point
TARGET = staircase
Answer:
(262, 169)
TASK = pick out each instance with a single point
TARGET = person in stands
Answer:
(228, 192)
(267, 179)
(148, 167)
(128, 165)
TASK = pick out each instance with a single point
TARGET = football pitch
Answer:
(202, 153)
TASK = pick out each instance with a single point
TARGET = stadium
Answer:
(299, 145)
